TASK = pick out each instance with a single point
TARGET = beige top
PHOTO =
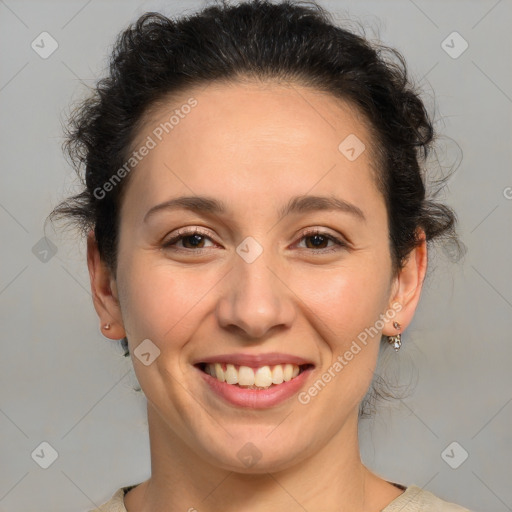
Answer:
(413, 499)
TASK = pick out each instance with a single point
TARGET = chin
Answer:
(254, 454)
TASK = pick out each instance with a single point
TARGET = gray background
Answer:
(63, 383)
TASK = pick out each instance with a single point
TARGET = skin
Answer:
(254, 146)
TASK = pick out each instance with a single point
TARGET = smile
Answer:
(258, 387)
(262, 377)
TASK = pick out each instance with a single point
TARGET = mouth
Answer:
(253, 377)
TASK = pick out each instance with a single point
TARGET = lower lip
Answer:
(256, 398)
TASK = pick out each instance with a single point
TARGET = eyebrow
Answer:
(297, 204)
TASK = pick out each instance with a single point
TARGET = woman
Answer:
(257, 225)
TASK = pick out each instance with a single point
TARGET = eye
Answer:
(193, 237)
(320, 238)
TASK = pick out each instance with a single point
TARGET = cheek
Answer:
(343, 307)
(347, 298)
(160, 301)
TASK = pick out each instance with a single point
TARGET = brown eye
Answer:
(319, 240)
(191, 240)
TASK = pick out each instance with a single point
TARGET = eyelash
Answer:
(339, 244)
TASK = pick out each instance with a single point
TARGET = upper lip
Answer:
(255, 360)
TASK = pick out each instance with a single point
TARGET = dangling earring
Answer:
(396, 340)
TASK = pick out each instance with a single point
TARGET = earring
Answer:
(106, 327)
(395, 340)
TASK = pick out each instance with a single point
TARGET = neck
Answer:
(334, 477)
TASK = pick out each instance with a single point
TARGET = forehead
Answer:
(283, 115)
(252, 139)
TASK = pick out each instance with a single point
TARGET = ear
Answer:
(104, 292)
(407, 288)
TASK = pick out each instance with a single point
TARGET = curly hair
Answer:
(291, 41)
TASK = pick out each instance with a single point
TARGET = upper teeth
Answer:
(247, 376)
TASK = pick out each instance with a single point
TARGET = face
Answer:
(266, 279)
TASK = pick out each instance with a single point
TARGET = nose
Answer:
(255, 299)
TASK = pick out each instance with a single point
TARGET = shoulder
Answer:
(116, 502)
(415, 499)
